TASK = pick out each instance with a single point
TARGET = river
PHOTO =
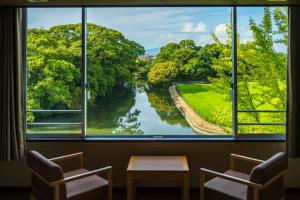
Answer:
(139, 111)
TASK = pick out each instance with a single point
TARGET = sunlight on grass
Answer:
(207, 102)
(216, 107)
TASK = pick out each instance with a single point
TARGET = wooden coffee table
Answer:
(157, 168)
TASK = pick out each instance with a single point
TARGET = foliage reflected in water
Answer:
(120, 113)
(105, 113)
(162, 102)
(129, 125)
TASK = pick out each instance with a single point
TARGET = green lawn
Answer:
(216, 107)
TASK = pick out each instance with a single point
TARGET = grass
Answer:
(216, 107)
(207, 102)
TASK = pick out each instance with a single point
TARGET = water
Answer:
(142, 111)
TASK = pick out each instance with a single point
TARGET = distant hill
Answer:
(153, 51)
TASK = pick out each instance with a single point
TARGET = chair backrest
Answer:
(267, 170)
(49, 171)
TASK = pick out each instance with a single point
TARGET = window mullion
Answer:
(234, 73)
(84, 71)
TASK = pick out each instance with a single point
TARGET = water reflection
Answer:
(161, 101)
(129, 125)
(136, 111)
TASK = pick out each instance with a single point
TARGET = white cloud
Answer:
(194, 28)
(221, 32)
(245, 34)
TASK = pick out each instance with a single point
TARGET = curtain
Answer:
(293, 131)
(12, 132)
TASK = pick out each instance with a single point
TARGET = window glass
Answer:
(54, 71)
(154, 71)
(262, 69)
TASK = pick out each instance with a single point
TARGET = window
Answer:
(54, 71)
(156, 71)
(134, 55)
(262, 70)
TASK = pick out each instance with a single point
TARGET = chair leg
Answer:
(109, 195)
(202, 179)
(256, 194)
(32, 197)
(56, 192)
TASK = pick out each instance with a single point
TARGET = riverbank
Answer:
(198, 124)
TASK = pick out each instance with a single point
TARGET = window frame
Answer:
(83, 135)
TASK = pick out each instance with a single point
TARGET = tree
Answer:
(193, 62)
(54, 65)
(163, 73)
(281, 20)
(261, 69)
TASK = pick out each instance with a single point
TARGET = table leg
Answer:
(133, 189)
(129, 186)
(186, 186)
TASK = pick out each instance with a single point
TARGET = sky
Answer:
(154, 27)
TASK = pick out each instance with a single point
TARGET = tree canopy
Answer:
(261, 69)
(54, 65)
(191, 62)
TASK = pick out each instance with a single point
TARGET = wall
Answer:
(209, 154)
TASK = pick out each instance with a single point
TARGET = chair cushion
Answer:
(44, 167)
(49, 171)
(265, 171)
(219, 188)
(91, 187)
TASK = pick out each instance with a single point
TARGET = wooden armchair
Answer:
(265, 182)
(49, 181)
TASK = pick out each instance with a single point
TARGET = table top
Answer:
(158, 163)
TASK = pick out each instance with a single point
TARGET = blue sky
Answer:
(154, 27)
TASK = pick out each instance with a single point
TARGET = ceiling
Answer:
(145, 2)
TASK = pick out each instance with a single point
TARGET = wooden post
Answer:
(81, 160)
(256, 194)
(129, 186)
(186, 186)
(202, 180)
(109, 196)
(231, 163)
(56, 192)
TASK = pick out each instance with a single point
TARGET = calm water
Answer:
(143, 111)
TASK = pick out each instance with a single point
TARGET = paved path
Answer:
(198, 124)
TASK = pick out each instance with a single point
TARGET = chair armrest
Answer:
(79, 176)
(234, 157)
(69, 156)
(204, 172)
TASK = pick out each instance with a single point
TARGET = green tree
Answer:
(193, 62)
(54, 65)
(163, 73)
(261, 69)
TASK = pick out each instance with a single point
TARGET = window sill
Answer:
(155, 139)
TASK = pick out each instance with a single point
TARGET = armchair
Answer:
(50, 182)
(265, 182)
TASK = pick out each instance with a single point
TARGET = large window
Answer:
(156, 71)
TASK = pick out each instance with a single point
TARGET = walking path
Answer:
(198, 124)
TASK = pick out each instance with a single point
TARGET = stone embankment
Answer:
(198, 124)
